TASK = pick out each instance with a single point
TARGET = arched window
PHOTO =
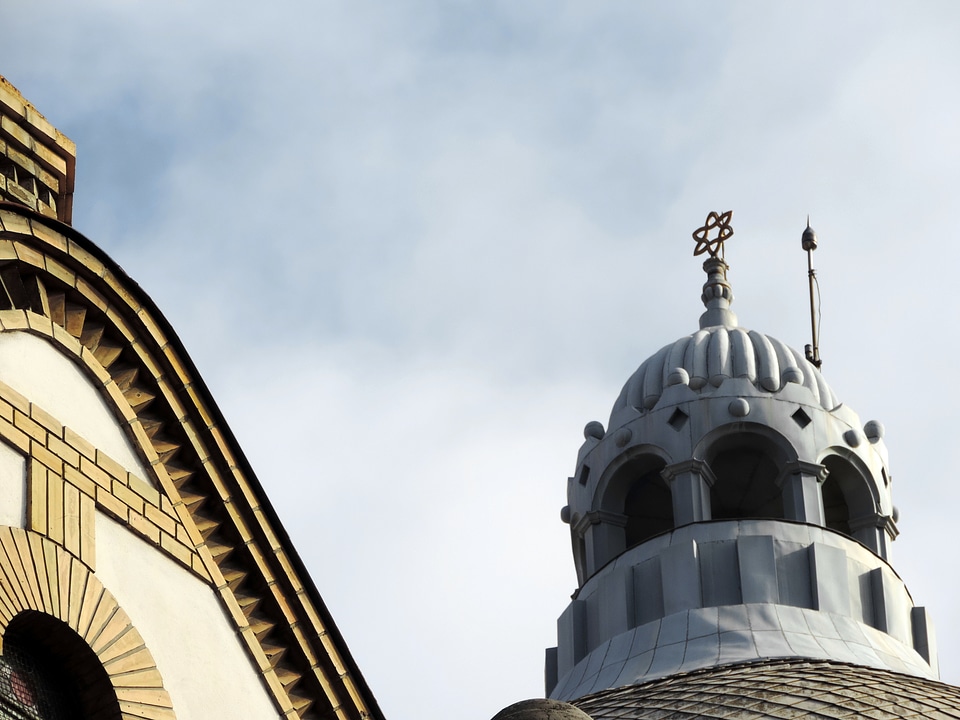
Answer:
(848, 502)
(643, 497)
(648, 507)
(745, 484)
(835, 509)
(47, 672)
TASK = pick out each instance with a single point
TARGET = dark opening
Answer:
(7, 168)
(47, 672)
(746, 485)
(648, 504)
(846, 495)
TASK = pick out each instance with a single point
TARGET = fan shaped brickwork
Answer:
(38, 575)
(52, 284)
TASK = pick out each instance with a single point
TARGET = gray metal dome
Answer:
(732, 510)
(703, 360)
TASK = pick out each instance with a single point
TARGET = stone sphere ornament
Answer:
(541, 710)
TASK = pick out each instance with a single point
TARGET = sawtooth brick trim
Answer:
(114, 334)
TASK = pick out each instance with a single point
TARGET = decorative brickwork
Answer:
(55, 286)
(36, 160)
(67, 477)
(39, 575)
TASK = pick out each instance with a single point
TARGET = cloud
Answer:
(414, 247)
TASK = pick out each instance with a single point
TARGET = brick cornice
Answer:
(62, 288)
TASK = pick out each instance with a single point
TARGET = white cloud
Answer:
(434, 239)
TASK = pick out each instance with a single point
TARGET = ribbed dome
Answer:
(702, 361)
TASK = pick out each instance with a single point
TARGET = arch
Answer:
(632, 503)
(648, 504)
(616, 482)
(40, 578)
(746, 460)
(50, 673)
(851, 501)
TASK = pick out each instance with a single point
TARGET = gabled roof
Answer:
(219, 523)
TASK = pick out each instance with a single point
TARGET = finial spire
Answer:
(809, 243)
(717, 293)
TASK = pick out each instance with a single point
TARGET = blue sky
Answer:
(414, 247)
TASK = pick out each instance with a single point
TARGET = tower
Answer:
(731, 530)
(143, 571)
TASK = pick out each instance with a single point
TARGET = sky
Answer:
(413, 247)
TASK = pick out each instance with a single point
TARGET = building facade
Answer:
(730, 529)
(143, 572)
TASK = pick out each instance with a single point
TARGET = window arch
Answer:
(638, 492)
(746, 467)
(60, 608)
(47, 672)
(648, 504)
(849, 504)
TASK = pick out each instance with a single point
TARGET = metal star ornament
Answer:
(713, 245)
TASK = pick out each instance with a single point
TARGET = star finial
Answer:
(714, 246)
(717, 293)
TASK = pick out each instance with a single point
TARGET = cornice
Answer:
(66, 289)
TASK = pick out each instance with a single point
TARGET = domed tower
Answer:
(734, 513)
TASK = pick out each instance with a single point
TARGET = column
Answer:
(800, 482)
(690, 482)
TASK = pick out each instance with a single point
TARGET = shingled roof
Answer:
(781, 690)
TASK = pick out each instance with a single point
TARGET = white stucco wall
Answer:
(198, 653)
(39, 372)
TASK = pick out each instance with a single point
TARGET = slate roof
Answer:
(778, 689)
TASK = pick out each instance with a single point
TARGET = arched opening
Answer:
(847, 498)
(746, 469)
(648, 507)
(646, 501)
(47, 672)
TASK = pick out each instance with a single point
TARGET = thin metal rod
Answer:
(811, 276)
